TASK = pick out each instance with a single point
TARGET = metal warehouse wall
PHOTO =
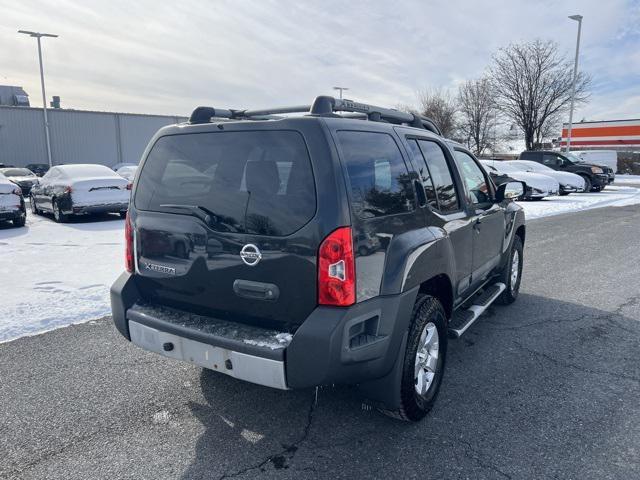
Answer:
(76, 136)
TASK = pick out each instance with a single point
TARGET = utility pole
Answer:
(341, 90)
(577, 18)
(38, 36)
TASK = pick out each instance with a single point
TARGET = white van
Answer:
(599, 157)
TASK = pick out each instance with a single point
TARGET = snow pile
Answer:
(57, 274)
(611, 196)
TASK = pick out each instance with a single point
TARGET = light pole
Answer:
(577, 18)
(37, 36)
(341, 89)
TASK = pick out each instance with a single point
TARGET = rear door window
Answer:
(441, 175)
(258, 182)
(379, 180)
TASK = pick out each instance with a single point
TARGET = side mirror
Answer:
(510, 191)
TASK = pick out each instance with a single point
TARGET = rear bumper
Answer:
(333, 345)
(11, 213)
(107, 208)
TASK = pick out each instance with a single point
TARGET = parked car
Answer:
(605, 161)
(128, 172)
(538, 186)
(569, 182)
(38, 168)
(118, 166)
(68, 190)
(287, 300)
(22, 177)
(12, 206)
(596, 177)
(608, 158)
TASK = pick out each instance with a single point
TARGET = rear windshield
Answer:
(257, 182)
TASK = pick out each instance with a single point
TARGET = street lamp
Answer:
(577, 18)
(341, 89)
(37, 36)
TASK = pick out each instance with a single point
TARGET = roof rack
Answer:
(322, 106)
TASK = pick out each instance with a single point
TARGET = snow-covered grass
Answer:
(54, 274)
(627, 179)
(611, 196)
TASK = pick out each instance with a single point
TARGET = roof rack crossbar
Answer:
(322, 105)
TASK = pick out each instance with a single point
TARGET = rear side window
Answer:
(380, 183)
(425, 176)
(253, 182)
(441, 175)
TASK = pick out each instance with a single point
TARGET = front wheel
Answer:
(512, 274)
(424, 359)
(34, 207)
(587, 183)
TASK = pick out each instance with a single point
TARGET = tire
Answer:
(429, 319)
(20, 221)
(58, 216)
(587, 181)
(562, 194)
(363, 251)
(507, 276)
(34, 207)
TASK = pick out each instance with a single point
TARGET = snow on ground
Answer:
(612, 196)
(53, 275)
(627, 179)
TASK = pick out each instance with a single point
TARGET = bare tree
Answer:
(440, 106)
(533, 86)
(477, 114)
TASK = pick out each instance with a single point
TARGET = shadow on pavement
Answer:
(539, 389)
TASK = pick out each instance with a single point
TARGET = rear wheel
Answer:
(512, 274)
(20, 221)
(58, 216)
(424, 359)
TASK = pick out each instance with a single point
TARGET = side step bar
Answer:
(463, 319)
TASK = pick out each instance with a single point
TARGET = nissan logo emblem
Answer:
(250, 254)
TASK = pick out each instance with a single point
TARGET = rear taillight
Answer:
(68, 189)
(128, 245)
(17, 191)
(336, 269)
(129, 186)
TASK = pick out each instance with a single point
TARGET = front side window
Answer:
(474, 179)
(379, 180)
(551, 160)
(441, 175)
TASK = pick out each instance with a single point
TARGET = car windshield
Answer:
(17, 172)
(533, 166)
(573, 157)
(87, 171)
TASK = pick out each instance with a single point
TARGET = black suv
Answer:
(301, 251)
(596, 177)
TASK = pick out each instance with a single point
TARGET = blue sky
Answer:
(167, 57)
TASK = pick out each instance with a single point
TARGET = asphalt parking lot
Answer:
(545, 388)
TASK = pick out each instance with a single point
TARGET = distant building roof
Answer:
(13, 96)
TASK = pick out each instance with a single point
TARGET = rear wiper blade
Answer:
(204, 214)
